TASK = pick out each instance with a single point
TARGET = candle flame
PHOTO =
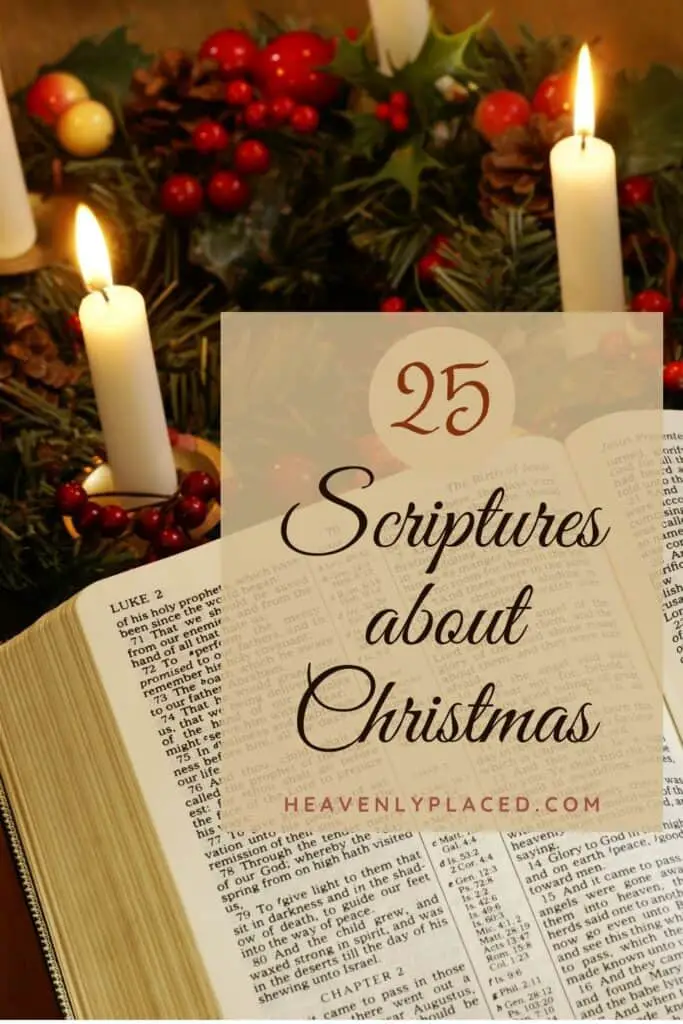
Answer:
(584, 97)
(91, 248)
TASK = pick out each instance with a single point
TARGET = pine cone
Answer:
(169, 98)
(29, 355)
(516, 172)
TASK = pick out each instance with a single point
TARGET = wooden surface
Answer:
(25, 987)
(32, 33)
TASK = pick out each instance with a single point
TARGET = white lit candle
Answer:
(124, 376)
(17, 226)
(400, 28)
(584, 180)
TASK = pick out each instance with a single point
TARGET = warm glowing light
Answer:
(91, 248)
(584, 97)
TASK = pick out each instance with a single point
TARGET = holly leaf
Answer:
(369, 133)
(443, 53)
(105, 64)
(406, 166)
(644, 120)
(352, 64)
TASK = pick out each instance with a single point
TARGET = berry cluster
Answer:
(279, 86)
(396, 112)
(166, 526)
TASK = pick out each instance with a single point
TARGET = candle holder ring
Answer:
(54, 244)
(190, 454)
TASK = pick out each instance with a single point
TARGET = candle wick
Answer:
(103, 293)
(584, 136)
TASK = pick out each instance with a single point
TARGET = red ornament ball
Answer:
(394, 304)
(148, 522)
(239, 93)
(113, 521)
(171, 540)
(651, 301)
(182, 195)
(190, 512)
(554, 96)
(71, 498)
(429, 263)
(198, 484)
(499, 111)
(673, 376)
(305, 120)
(281, 109)
(294, 478)
(291, 66)
(228, 192)
(52, 94)
(400, 121)
(88, 518)
(210, 137)
(251, 157)
(234, 51)
(256, 114)
(636, 191)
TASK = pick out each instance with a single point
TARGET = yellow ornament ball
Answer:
(86, 129)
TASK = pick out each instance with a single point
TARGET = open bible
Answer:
(110, 749)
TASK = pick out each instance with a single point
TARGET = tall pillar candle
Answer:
(17, 224)
(584, 179)
(124, 376)
(400, 28)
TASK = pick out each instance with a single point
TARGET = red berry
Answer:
(148, 522)
(429, 263)
(190, 512)
(400, 122)
(294, 478)
(636, 191)
(251, 157)
(399, 101)
(383, 112)
(182, 195)
(281, 109)
(613, 345)
(256, 114)
(239, 93)
(228, 192)
(673, 376)
(170, 541)
(113, 520)
(292, 64)
(394, 304)
(352, 34)
(234, 51)
(651, 301)
(499, 111)
(209, 137)
(73, 326)
(554, 96)
(198, 484)
(71, 498)
(88, 518)
(440, 242)
(305, 120)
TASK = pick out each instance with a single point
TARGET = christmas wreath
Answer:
(277, 169)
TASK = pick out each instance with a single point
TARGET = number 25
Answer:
(428, 388)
